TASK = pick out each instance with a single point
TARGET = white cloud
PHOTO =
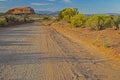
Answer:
(40, 4)
(67, 1)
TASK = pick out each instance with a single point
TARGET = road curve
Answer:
(37, 52)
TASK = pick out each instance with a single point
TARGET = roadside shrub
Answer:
(106, 44)
(117, 22)
(3, 22)
(108, 22)
(46, 18)
(67, 13)
(99, 22)
(26, 18)
(6, 20)
(78, 20)
(93, 23)
(10, 19)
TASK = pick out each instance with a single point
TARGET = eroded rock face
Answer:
(21, 10)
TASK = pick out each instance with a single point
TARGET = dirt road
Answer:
(37, 52)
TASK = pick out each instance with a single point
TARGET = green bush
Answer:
(78, 20)
(98, 22)
(106, 44)
(117, 22)
(46, 18)
(94, 22)
(6, 20)
(108, 22)
(26, 18)
(3, 22)
(10, 19)
(67, 13)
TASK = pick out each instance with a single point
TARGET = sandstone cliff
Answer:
(21, 10)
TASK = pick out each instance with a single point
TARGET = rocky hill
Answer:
(21, 10)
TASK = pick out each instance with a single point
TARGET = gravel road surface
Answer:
(37, 52)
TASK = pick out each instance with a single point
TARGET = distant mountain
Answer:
(114, 13)
(1, 13)
(55, 13)
(104, 13)
(43, 12)
(48, 12)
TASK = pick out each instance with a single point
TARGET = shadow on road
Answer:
(33, 58)
(14, 43)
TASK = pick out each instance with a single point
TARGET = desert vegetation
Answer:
(93, 22)
(7, 19)
(102, 31)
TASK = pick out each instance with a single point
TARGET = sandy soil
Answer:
(37, 52)
(106, 41)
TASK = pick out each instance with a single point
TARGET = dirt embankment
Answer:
(106, 41)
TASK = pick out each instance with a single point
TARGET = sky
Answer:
(84, 6)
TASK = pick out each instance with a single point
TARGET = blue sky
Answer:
(85, 6)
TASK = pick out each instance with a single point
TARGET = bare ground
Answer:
(106, 41)
(37, 52)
